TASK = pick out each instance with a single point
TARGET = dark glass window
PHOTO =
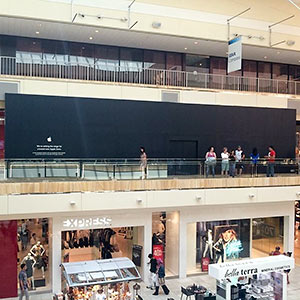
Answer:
(294, 73)
(264, 69)
(131, 59)
(154, 60)
(249, 68)
(106, 58)
(174, 61)
(218, 65)
(29, 50)
(81, 54)
(197, 63)
(280, 71)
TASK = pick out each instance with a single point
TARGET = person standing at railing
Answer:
(239, 157)
(143, 162)
(254, 156)
(271, 162)
(210, 161)
(225, 162)
(232, 160)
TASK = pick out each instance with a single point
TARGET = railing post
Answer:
(258, 87)
(277, 88)
(7, 163)
(186, 79)
(222, 82)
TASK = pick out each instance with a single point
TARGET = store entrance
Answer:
(104, 243)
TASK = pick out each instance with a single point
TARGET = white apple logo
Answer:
(49, 139)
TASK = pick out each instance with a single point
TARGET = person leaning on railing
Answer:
(210, 161)
(254, 156)
(271, 162)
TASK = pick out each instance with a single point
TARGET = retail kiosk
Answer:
(251, 279)
(112, 277)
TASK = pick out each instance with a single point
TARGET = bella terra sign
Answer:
(241, 272)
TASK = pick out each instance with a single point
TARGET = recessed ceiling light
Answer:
(298, 60)
(37, 32)
(185, 48)
(33, 43)
(200, 64)
(278, 52)
(196, 43)
(265, 57)
(96, 30)
(90, 37)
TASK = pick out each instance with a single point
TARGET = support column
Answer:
(289, 228)
(182, 247)
(147, 249)
(56, 256)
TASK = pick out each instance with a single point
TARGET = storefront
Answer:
(111, 279)
(106, 236)
(260, 278)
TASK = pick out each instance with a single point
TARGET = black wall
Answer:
(106, 128)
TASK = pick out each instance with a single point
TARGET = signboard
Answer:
(251, 267)
(137, 255)
(81, 223)
(158, 252)
(234, 55)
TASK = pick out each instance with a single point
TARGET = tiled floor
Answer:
(175, 284)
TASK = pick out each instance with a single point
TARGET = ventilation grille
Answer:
(8, 87)
(167, 96)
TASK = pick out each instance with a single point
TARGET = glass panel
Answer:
(280, 71)
(107, 58)
(264, 69)
(112, 275)
(174, 61)
(78, 278)
(249, 71)
(131, 59)
(294, 73)
(129, 273)
(154, 60)
(82, 54)
(29, 51)
(197, 63)
(218, 65)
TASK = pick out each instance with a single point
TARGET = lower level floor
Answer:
(186, 239)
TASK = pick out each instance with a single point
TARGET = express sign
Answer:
(81, 223)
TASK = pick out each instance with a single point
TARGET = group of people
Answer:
(157, 275)
(232, 162)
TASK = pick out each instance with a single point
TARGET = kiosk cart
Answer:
(110, 277)
(252, 279)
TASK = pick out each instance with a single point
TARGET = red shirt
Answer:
(271, 156)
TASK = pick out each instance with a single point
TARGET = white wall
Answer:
(54, 87)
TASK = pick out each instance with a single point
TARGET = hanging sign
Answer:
(234, 55)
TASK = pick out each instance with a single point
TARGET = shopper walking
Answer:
(152, 272)
(232, 160)
(143, 162)
(254, 156)
(225, 162)
(239, 157)
(23, 282)
(210, 161)
(161, 278)
(271, 162)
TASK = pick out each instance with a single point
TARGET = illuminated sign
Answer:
(87, 222)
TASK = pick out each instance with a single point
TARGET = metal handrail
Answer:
(146, 76)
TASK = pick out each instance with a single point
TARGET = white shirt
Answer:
(100, 296)
(238, 154)
(225, 156)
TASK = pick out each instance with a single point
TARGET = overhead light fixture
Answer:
(156, 25)
(298, 60)
(265, 57)
(90, 37)
(37, 32)
(185, 48)
(196, 43)
(290, 43)
(96, 31)
(278, 52)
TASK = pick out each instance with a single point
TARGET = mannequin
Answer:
(37, 251)
(30, 264)
(209, 244)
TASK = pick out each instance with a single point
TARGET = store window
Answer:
(154, 60)
(165, 234)
(33, 250)
(249, 81)
(197, 63)
(174, 61)
(81, 54)
(131, 59)
(267, 233)
(29, 51)
(106, 58)
(215, 242)
(105, 243)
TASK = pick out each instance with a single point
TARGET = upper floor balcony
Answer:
(97, 72)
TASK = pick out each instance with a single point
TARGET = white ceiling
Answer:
(126, 38)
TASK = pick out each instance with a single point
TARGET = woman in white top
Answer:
(225, 162)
